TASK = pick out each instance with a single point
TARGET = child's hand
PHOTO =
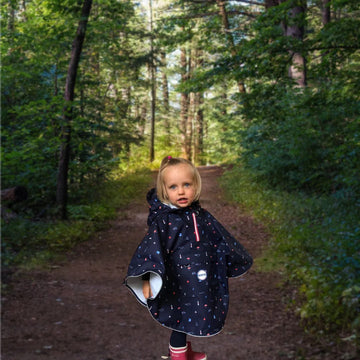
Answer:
(147, 289)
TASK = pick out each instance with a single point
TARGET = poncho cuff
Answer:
(135, 284)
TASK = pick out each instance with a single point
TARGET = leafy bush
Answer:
(316, 241)
(304, 140)
(29, 242)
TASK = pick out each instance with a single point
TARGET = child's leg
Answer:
(177, 339)
(180, 349)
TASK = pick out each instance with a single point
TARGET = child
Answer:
(180, 270)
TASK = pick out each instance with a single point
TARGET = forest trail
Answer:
(79, 310)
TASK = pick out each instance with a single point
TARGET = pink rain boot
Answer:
(178, 353)
(192, 355)
(185, 353)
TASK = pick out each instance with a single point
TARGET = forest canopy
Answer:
(273, 83)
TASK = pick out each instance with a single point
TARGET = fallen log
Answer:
(14, 194)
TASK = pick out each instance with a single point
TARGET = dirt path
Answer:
(80, 311)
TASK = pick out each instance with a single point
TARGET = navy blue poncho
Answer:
(188, 256)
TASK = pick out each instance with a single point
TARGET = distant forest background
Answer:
(94, 91)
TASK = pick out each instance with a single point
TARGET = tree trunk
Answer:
(126, 99)
(191, 111)
(11, 18)
(199, 137)
(166, 103)
(63, 168)
(224, 97)
(326, 18)
(229, 38)
(297, 69)
(190, 128)
(198, 114)
(294, 28)
(143, 116)
(325, 11)
(184, 103)
(153, 86)
(153, 106)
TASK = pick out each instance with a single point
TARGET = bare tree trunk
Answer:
(153, 87)
(143, 116)
(190, 128)
(153, 106)
(126, 100)
(63, 168)
(199, 137)
(140, 115)
(184, 103)
(326, 18)
(198, 114)
(229, 38)
(224, 97)
(191, 111)
(297, 69)
(166, 103)
(325, 11)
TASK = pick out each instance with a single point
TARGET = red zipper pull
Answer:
(196, 228)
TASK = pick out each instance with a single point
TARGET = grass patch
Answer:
(315, 240)
(27, 243)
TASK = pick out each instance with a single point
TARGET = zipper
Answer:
(196, 228)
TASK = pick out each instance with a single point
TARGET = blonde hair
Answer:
(173, 161)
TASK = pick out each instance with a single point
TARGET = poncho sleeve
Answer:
(239, 261)
(148, 259)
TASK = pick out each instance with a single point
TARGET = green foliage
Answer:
(28, 242)
(36, 42)
(29, 147)
(315, 240)
(307, 140)
(223, 131)
(139, 155)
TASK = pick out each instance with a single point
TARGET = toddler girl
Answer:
(180, 269)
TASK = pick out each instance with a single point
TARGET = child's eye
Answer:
(187, 185)
(173, 187)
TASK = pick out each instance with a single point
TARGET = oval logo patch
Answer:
(202, 275)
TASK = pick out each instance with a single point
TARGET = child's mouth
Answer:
(182, 201)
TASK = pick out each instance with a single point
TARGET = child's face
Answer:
(179, 184)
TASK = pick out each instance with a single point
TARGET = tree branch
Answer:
(203, 15)
(334, 48)
(249, 2)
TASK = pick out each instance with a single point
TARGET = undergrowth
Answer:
(315, 241)
(28, 242)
